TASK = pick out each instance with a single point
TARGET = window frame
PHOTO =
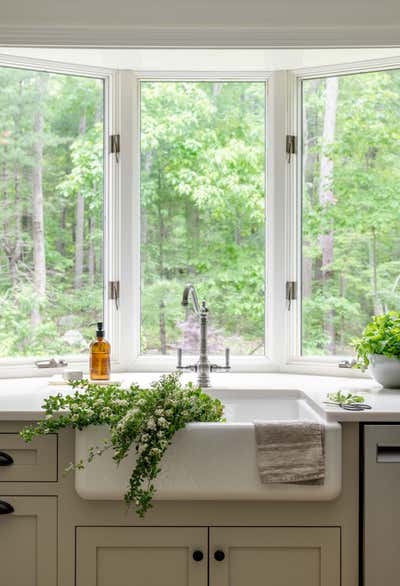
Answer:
(24, 366)
(155, 363)
(122, 217)
(295, 362)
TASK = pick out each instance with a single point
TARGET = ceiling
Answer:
(203, 59)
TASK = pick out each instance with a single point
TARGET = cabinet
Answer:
(141, 556)
(381, 504)
(275, 556)
(28, 538)
(180, 556)
(33, 462)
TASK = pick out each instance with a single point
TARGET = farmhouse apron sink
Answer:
(216, 461)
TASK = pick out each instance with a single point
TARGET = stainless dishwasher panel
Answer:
(381, 559)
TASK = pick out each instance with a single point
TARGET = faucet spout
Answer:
(203, 366)
(189, 290)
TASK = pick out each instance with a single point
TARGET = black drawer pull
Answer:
(6, 508)
(219, 555)
(390, 454)
(5, 459)
(198, 555)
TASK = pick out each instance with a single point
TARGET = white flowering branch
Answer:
(145, 419)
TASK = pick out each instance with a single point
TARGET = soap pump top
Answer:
(100, 352)
(100, 330)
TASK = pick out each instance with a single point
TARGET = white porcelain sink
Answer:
(216, 461)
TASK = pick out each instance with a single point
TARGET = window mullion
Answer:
(126, 319)
(276, 310)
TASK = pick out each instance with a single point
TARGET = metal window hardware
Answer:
(291, 292)
(51, 363)
(347, 363)
(291, 146)
(114, 292)
(115, 146)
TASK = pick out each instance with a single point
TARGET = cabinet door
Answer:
(28, 541)
(141, 556)
(275, 556)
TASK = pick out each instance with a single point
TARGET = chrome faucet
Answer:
(203, 366)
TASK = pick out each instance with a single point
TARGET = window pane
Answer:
(51, 185)
(202, 206)
(351, 205)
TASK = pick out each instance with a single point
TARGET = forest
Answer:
(202, 190)
(51, 186)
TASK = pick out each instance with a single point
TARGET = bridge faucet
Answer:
(203, 366)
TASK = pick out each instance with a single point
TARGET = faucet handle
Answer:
(179, 364)
(179, 358)
(226, 367)
(227, 358)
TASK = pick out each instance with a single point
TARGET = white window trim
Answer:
(296, 363)
(122, 210)
(24, 367)
(132, 360)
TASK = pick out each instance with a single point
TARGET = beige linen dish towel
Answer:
(290, 452)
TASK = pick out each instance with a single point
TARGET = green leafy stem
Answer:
(145, 419)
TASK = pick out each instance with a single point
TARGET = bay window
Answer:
(276, 195)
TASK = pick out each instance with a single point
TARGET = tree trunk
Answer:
(60, 244)
(377, 305)
(92, 252)
(326, 199)
(17, 248)
(161, 228)
(79, 223)
(39, 256)
(163, 332)
(308, 175)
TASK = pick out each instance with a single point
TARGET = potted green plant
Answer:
(378, 349)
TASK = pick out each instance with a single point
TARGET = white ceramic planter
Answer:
(385, 370)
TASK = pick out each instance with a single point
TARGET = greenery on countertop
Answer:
(143, 418)
(344, 398)
(381, 336)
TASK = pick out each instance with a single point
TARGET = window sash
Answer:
(295, 360)
(24, 366)
(122, 218)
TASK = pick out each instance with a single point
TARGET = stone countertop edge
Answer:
(22, 399)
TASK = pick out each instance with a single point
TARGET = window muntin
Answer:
(51, 227)
(202, 213)
(350, 206)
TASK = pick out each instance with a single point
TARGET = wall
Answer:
(201, 22)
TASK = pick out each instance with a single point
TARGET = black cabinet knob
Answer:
(219, 555)
(5, 459)
(6, 508)
(198, 555)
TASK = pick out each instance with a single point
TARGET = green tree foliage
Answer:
(363, 215)
(202, 210)
(72, 144)
(202, 193)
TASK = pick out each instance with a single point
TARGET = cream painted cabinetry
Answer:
(275, 556)
(28, 540)
(229, 556)
(141, 556)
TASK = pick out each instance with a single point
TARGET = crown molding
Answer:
(200, 37)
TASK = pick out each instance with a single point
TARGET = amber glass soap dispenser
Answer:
(100, 351)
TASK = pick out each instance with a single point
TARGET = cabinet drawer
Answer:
(33, 462)
(28, 537)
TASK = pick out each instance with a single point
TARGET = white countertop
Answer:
(22, 399)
